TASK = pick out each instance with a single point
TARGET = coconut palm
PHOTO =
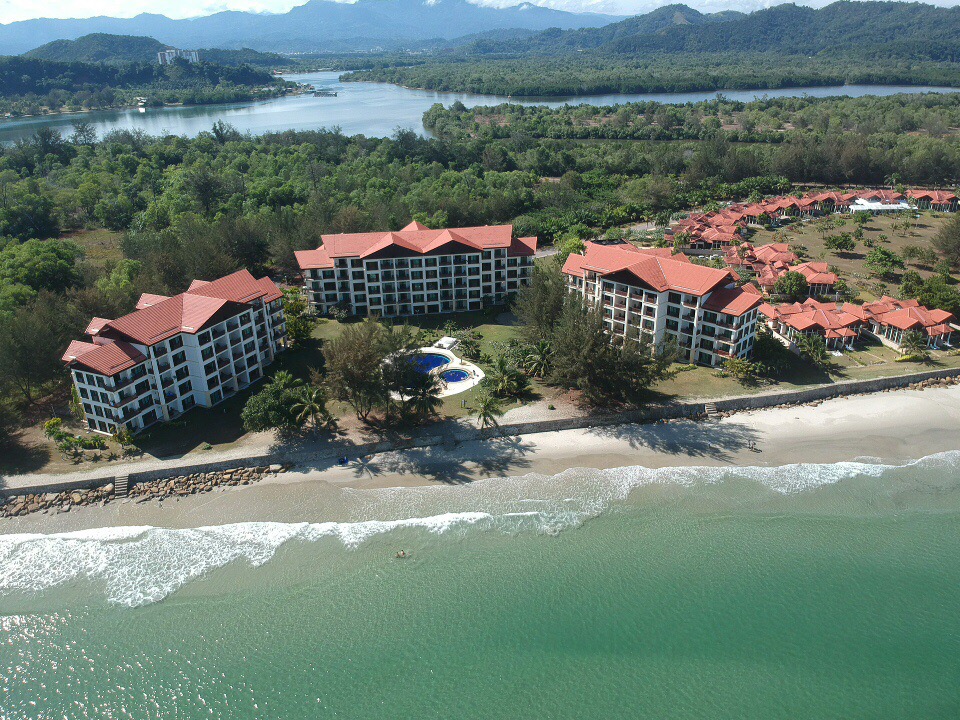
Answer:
(487, 409)
(538, 360)
(422, 394)
(311, 405)
(505, 378)
(914, 344)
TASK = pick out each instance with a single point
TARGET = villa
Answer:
(667, 297)
(940, 200)
(771, 262)
(174, 353)
(889, 319)
(416, 271)
(821, 279)
(835, 325)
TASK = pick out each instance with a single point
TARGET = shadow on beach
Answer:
(719, 441)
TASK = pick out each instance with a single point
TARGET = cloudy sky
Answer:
(12, 10)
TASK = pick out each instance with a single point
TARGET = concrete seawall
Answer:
(324, 456)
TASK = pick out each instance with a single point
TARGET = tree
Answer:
(914, 344)
(41, 264)
(842, 243)
(311, 405)
(505, 379)
(814, 349)
(538, 359)
(299, 323)
(741, 370)
(947, 240)
(539, 303)
(354, 362)
(273, 407)
(882, 262)
(792, 285)
(421, 395)
(487, 409)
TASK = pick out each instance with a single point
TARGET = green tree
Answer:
(538, 359)
(947, 240)
(505, 379)
(842, 243)
(488, 410)
(814, 349)
(538, 304)
(354, 363)
(792, 285)
(41, 264)
(273, 407)
(914, 344)
(311, 406)
(882, 262)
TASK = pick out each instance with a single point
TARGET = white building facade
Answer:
(668, 298)
(416, 271)
(173, 354)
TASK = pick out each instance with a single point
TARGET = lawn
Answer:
(807, 242)
(100, 247)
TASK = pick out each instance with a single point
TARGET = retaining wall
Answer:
(323, 457)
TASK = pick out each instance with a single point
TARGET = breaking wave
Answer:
(144, 564)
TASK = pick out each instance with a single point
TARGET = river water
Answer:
(372, 109)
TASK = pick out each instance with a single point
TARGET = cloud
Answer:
(12, 10)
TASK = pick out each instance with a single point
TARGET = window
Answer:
(179, 357)
(176, 342)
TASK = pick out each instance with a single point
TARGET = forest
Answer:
(676, 49)
(175, 208)
(27, 86)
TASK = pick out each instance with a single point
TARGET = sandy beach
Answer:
(891, 427)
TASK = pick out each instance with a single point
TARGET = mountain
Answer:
(869, 29)
(317, 26)
(102, 47)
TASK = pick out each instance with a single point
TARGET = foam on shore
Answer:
(144, 564)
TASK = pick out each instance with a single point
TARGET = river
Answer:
(372, 109)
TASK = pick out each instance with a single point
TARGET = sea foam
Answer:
(144, 564)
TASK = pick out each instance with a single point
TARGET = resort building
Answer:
(821, 279)
(889, 319)
(771, 262)
(416, 271)
(835, 325)
(939, 200)
(169, 56)
(667, 297)
(174, 353)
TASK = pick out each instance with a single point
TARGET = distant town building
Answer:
(667, 297)
(174, 353)
(166, 57)
(416, 271)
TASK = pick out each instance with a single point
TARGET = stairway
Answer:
(710, 409)
(121, 485)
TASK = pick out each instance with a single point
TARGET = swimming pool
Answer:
(427, 361)
(455, 375)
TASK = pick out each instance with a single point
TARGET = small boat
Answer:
(324, 93)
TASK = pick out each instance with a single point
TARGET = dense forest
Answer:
(121, 49)
(678, 49)
(183, 208)
(27, 86)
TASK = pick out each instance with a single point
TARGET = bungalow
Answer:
(836, 326)
(820, 278)
(940, 200)
(890, 319)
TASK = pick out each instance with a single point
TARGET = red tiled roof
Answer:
(95, 326)
(239, 287)
(816, 273)
(660, 273)
(146, 300)
(108, 359)
(417, 238)
(734, 301)
(313, 259)
(523, 247)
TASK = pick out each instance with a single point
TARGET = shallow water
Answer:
(372, 109)
(797, 592)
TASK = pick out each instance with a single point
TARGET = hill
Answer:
(317, 26)
(103, 47)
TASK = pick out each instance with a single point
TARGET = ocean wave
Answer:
(144, 564)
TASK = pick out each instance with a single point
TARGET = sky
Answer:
(12, 10)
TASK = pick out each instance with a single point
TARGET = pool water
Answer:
(455, 375)
(426, 362)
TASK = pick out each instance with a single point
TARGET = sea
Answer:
(802, 591)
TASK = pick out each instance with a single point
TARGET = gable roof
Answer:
(107, 359)
(734, 300)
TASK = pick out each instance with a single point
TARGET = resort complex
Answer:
(667, 297)
(416, 271)
(771, 262)
(888, 320)
(722, 229)
(173, 353)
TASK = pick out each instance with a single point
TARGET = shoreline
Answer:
(888, 428)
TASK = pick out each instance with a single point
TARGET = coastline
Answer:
(890, 428)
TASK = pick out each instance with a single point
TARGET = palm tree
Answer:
(814, 349)
(487, 410)
(423, 394)
(312, 406)
(537, 362)
(506, 379)
(914, 344)
(283, 380)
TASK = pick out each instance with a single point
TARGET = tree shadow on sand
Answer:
(449, 462)
(711, 439)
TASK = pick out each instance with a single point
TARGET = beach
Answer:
(892, 428)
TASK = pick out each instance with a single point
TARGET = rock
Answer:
(108, 488)
(76, 497)
(275, 468)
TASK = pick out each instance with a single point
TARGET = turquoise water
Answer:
(372, 109)
(800, 592)
(427, 361)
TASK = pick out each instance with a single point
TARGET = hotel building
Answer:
(416, 271)
(174, 353)
(667, 297)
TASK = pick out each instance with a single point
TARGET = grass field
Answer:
(808, 243)
(101, 247)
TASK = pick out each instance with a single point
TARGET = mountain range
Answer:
(317, 26)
